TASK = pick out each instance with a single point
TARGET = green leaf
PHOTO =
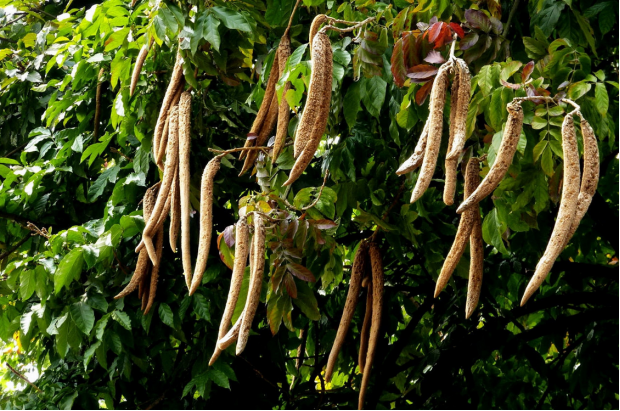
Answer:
(352, 103)
(27, 284)
(83, 316)
(90, 351)
(219, 378)
(601, 98)
(375, 95)
(122, 318)
(577, 90)
(210, 31)
(116, 39)
(547, 18)
(488, 79)
(586, 30)
(166, 315)
(496, 109)
(232, 19)
(278, 12)
(547, 162)
(70, 268)
(492, 230)
(109, 175)
(539, 148)
(201, 306)
(306, 301)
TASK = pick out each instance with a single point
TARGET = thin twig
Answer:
(290, 20)
(15, 247)
(348, 29)
(316, 200)
(259, 373)
(20, 375)
(117, 151)
(374, 235)
(38, 231)
(16, 149)
(513, 11)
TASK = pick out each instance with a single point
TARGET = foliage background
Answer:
(60, 322)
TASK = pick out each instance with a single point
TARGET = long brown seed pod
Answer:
(463, 232)
(268, 125)
(98, 105)
(155, 271)
(365, 329)
(242, 239)
(175, 214)
(184, 182)
(476, 254)
(177, 74)
(231, 336)
(164, 137)
(589, 179)
(206, 221)
(313, 125)
(567, 211)
(435, 127)
(349, 307)
(415, 160)
(375, 326)
(138, 68)
(449, 187)
(284, 112)
(506, 152)
(142, 265)
(256, 282)
(314, 29)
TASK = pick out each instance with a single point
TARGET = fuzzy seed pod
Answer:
(142, 266)
(242, 239)
(206, 221)
(349, 307)
(98, 105)
(314, 29)
(138, 68)
(231, 336)
(159, 247)
(463, 233)
(312, 126)
(435, 127)
(416, 158)
(589, 179)
(365, 327)
(177, 74)
(164, 137)
(284, 112)
(256, 282)
(175, 214)
(375, 326)
(476, 264)
(506, 152)
(184, 182)
(567, 211)
(263, 136)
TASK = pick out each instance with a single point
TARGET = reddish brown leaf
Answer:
(527, 71)
(423, 92)
(399, 71)
(445, 36)
(422, 73)
(289, 284)
(301, 272)
(325, 224)
(457, 29)
(276, 278)
(434, 30)
(510, 85)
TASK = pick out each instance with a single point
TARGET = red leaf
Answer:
(510, 85)
(422, 72)
(434, 57)
(289, 284)
(445, 36)
(325, 224)
(301, 272)
(527, 71)
(423, 92)
(434, 30)
(457, 29)
(412, 50)
(478, 20)
(399, 71)
(228, 236)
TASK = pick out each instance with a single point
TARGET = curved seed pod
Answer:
(365, 327)
(416, 158)
(147, 241)
(256, 282)
(138, 68)
(321, 52)
(184, 182)
(142, 265)
(349, 307)
(476, 264)
(375, 326)
(435, 127)
(472, 178)
(284, 112)
(231, 336)
(322, 75)
(506, 152)
(242, 239)
(314, 29)
(98, 104)
(589, 179)
(268, 125)
(164, 137)
(568, 208)
(206, 221)
(177, 74)
(155, 271)
(449, 187)
(175, 214)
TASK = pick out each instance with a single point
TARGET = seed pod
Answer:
(476, 264)
(463, 233)
(231, 336)
(256, 282)
(506, 152)
(175, 214)
(142, 266)
(206, 221)
(155, 271)
(241, 258)
(314, 29)
(177, 74)
(284, 112)
(567, 211)
(263, 136)
(138, 68)
(184, 182)
(349, 307)
(589, 179)
(321, 61)
(319, 91)
(435, 127)
(164, 137)
(375, 326)
(416, 158)
(98, 105)
(365, 327)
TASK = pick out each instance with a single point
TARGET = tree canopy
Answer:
(76, 158)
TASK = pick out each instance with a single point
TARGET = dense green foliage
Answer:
(58, 314)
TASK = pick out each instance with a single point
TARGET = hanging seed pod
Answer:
(175, 214)
(357, 272)
(177, 75)
(589, 179)
(263, 136)
(416, 158)
(155, 271)
(314, 29)
(164, 137)
(506, 152)
(365, 327)
(463, 233)
(284, 112)
(476, 264)
(567, 211)
(375, 326)
(256, 282)
(184, 182)
(144, 51)
(206, 221)
(97, 119)
(435, 127)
